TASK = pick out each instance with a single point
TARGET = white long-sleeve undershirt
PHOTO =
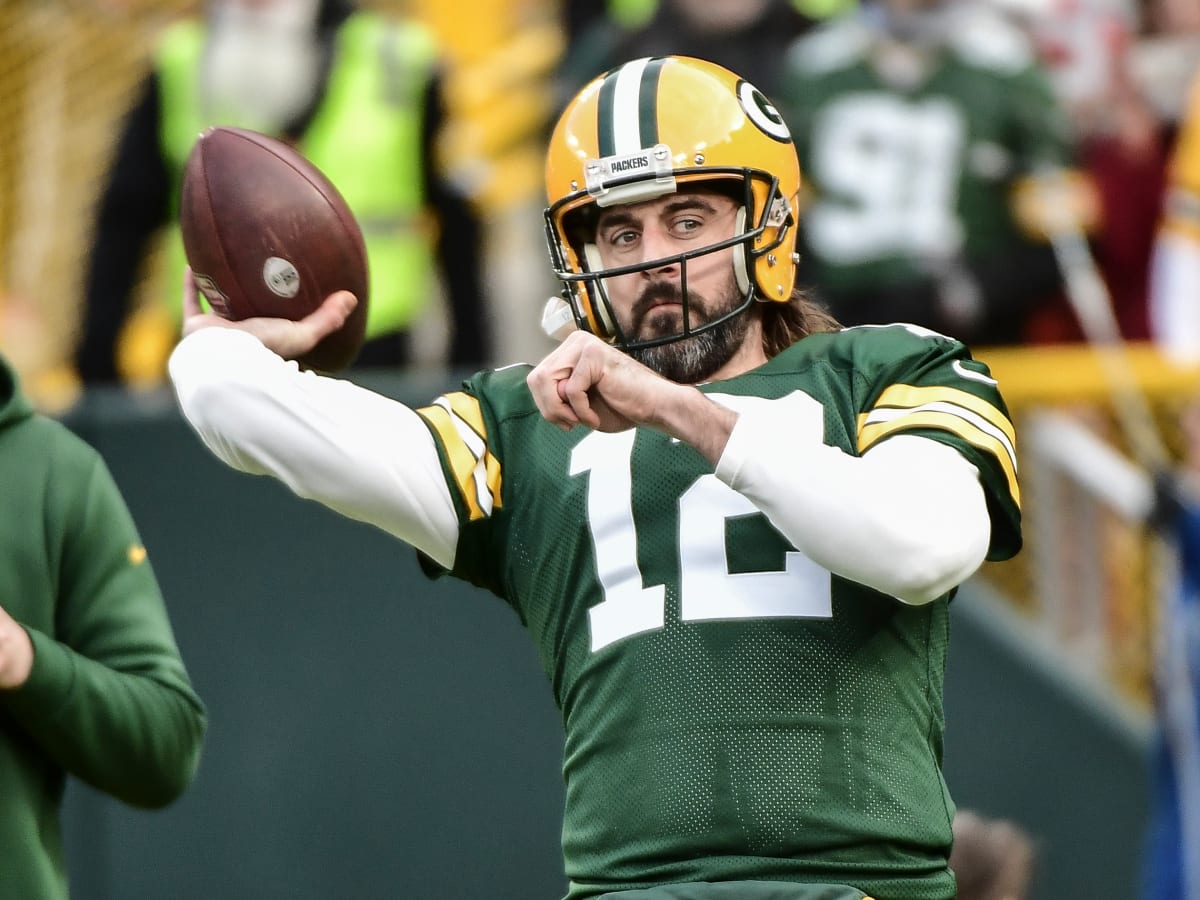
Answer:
(362, 454)
(907, 518)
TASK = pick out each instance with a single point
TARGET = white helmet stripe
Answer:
(626, 116)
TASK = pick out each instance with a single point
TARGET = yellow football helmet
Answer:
(643, 130)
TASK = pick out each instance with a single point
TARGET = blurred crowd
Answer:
(953, 150)
(969, 165)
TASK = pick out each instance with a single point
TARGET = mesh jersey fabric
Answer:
(731, 711)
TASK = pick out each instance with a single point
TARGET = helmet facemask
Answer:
(660, 126)
(570, 231)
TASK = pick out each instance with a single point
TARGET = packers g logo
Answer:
(762, 113)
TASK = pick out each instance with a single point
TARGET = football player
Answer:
(731, 528)
(922, 126)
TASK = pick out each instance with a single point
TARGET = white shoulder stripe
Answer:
(888, 414)
(478, 449)
(963, 372)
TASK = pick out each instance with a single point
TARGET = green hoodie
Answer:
(108, 699)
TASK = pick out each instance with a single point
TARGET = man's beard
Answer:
(692, 359)
(261, 66)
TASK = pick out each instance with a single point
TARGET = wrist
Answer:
(692, 417)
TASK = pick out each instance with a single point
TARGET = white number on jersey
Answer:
(889, 172)
(628, 608)
(708, 590)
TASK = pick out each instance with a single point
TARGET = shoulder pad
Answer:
(985, 39)
(834, 45)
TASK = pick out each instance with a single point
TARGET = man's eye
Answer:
(688, 225)
(623, 238)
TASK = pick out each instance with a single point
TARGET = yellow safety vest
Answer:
(636, 13)
(366, 136)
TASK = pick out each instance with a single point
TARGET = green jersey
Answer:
(915, 170)
(108, 699)
(732, 711)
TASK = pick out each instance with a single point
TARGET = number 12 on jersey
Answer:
(708, 590)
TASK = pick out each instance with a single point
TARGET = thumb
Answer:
(191, 298)
(330, 315)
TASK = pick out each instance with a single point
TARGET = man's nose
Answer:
(657, 244)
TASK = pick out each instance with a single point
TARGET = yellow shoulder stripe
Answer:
(907, 396)
(969, 417)
(457, 420)
(468, 410)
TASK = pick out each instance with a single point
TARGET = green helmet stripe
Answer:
(648, 107)
(605, 105)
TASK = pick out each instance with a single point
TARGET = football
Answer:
(267, 234)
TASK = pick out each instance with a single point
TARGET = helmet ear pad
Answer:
(598, 296)
(741, 251)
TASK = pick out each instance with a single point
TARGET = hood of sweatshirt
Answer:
(14, 405)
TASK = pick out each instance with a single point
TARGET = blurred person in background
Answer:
(992, 859)
(580, 16)
(1123, 138)
(1165, 58)
(749, 37)
(924, 127)
(91, 681)
(358, 95)
(1175, 275)
(1166, 54)
(1171, 864)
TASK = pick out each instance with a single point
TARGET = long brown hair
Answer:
(785, 323)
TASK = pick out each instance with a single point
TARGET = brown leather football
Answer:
(267, 234)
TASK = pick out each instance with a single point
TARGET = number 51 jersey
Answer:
(731, 710)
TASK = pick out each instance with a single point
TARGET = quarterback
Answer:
(731, 527)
